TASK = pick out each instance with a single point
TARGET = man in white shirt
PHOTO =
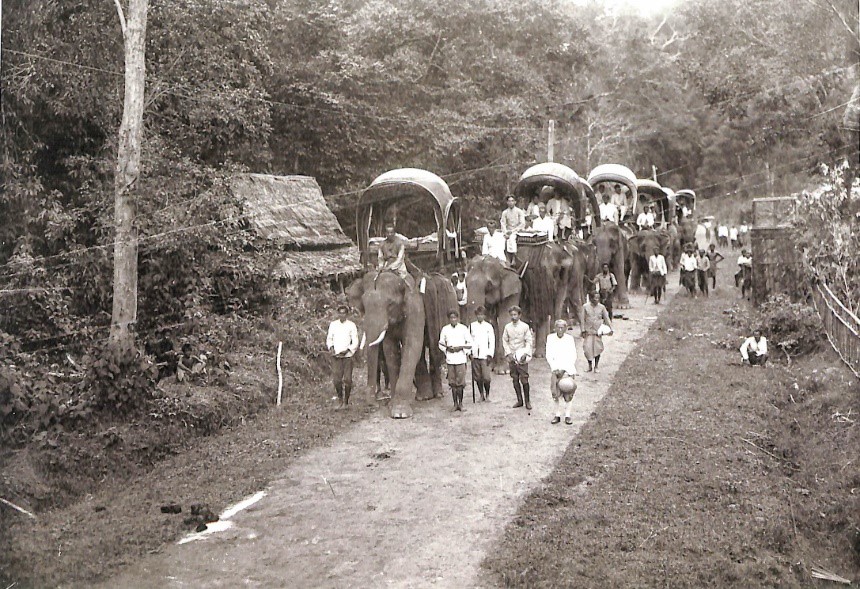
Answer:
(608, 209)
(456, 341)
(544, 222)
(754, 349)
(494, 242)
(483, 351)
(513, 220)
(619, 198)
(342, 342)
(689, 266)
(645, 220)
(658, 270)
(723, 235)
(744, 263)
(458, 280)
(733, 237)
(558, 208)
(561, 357)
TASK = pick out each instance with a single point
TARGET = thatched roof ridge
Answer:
(289, 210)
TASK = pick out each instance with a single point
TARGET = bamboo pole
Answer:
(280, 373)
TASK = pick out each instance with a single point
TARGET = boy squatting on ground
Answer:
(342, 342)
(456, 341)
(561, 357)
(518, 343)
(754, 349)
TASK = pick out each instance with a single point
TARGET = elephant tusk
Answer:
(377, 340)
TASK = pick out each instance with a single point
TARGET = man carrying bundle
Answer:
(561, 357)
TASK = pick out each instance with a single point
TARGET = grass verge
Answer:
(696, 471)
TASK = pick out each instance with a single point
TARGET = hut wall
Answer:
(776, 267)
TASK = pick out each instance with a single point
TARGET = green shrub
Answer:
(794, 327)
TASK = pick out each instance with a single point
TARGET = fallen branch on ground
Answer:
(820, 573)
(16, 507)
(771, 454)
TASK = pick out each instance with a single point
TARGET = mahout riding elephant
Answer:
(495, 286)
(406, 322)
(611, 245)
(641, 246)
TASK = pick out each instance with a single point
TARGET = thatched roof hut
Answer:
(291, 212)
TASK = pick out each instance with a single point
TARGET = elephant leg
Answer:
(541, 331)
(391, 353)
(436, 361)
(412, 347)
(423, 379)
(620, 271)
(375, 360)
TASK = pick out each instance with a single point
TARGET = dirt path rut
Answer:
(413, 503)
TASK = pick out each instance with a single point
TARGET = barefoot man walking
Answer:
(561, 357)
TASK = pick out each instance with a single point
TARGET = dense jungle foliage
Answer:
(713, 94)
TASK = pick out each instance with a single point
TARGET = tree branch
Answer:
(121, 17)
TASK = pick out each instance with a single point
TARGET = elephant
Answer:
(687, 232)
(641, 246)
(611, 246)
(492, 285)
(674, 257)
(407, 323)
(554, 276)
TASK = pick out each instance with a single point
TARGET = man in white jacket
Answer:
(456, 341)
(561, 357)
(342, 342)
(483, 350)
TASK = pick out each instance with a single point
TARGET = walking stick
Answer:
(472, 374)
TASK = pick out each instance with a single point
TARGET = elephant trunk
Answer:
(595, 208)
(374, 334)
(477, 290)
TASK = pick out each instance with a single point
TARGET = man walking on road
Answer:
(594, 321)
(518, 343)
(606, 284)
(561, 357)
(342, 342)
(483, 350)
(658, 270)
(456, 341)
(715, 257)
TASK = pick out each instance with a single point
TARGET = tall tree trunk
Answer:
(127, 170)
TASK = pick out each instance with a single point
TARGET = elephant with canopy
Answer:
(644, 243)
(405, 316)
(555, 274)
(610, 239)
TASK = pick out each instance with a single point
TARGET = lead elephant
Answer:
(641, 246)
(687, 232)
(494, 286)
(611, 244)
(406, 322)
(674, 258)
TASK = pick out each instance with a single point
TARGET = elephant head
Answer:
(491, 285)
(687, 231)
(394, 317)
(648, 242)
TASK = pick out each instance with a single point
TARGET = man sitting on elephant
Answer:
(494, 242)
(512, 221)
(392, 254)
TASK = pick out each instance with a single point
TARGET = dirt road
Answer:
(411, 503)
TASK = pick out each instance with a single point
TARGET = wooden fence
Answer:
(841, 326)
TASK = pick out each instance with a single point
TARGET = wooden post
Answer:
(280, 374)
(550, 149)
(124, 314)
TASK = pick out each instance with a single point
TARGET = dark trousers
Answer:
(756, 360)
(606, 300)
(703, 281)
(341, 372)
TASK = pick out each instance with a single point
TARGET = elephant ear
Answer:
(511, 284)
(355, 292)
